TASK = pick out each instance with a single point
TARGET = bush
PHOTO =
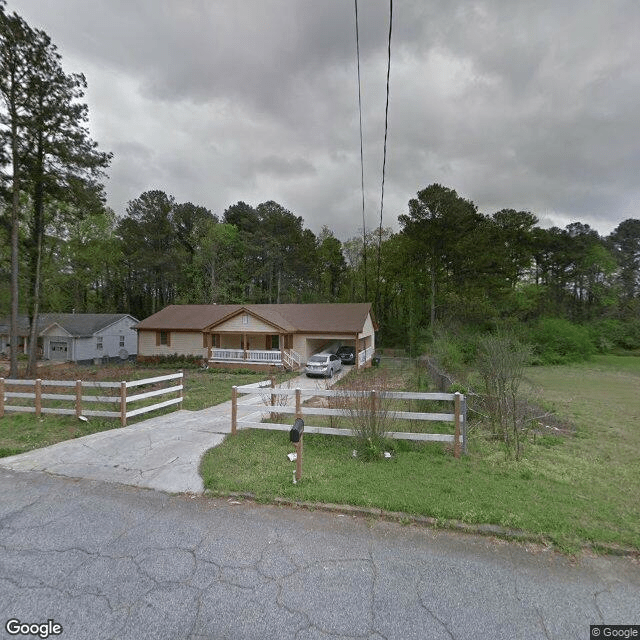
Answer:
(454, 352)
(501, 364)
(172, 360)
(368, 415)
(610, 334)
(558, 341)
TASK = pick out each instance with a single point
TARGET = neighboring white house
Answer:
(258, 335)
(87, 337)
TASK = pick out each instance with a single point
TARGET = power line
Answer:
(384, 153)
(364, 228)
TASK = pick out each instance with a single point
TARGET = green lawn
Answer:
(572, 490)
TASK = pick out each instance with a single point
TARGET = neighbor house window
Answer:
(275, 342)
(245, 319)
(99, 344)
(122, 341)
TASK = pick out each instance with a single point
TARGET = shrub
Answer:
(558, 341)
(454, 352)
(610, 334)
(172, 360)
(368, 415)
(501, 364)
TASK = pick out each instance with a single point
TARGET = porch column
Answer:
(244, 346)
(357, 353)
(281, 345)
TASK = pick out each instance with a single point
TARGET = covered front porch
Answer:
(244, 349)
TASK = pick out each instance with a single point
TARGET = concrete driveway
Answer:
(160, 453)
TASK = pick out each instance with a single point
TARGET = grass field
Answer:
(571, 490)
(20, 432)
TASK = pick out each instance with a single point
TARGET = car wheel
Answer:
(330, 373)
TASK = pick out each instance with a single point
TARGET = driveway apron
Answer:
(161, 453)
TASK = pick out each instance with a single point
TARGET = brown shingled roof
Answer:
(194, 317)
(294, 318)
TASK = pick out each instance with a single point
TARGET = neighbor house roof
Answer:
(23, 325)
(80, 324)
(76, 324)
(292, 318)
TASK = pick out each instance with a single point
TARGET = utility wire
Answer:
(384, 154)
(364, 228)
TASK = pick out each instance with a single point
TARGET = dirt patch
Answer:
(115, 372)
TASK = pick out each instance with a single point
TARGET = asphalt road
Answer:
(105, 560)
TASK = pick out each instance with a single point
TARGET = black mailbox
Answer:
(296, 431)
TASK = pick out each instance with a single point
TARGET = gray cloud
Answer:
(522, 104)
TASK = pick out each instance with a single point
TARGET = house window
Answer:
(245, 318)
(122, 341)
(275, 342)
(164, 337)
(99, 343)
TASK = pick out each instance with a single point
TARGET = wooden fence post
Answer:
(272, 415)
(463, 417)
(78, 398)
(123, 404)
(298, 404)
(234, 410)
(299, 443)
(38, 400)
(1, 397)
(456, 440)
(299, 458)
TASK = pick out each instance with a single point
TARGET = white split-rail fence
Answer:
(38, 399)
(458, 415)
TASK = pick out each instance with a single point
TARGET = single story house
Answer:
(258, 335)
(82, 337)
(23, 334)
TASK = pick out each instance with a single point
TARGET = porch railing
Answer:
(252, 355)
(291, 359)
(365, 355)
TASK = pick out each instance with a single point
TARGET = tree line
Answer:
(447, 263)
(62, 249)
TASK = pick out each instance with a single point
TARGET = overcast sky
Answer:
(532, 105)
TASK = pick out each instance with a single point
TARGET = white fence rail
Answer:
(77, 400)
(274, 406)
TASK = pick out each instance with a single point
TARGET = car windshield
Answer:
(345, 349)
(318, 359)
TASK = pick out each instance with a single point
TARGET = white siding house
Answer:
(88, 337)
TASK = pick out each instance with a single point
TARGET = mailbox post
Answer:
(295, 435)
